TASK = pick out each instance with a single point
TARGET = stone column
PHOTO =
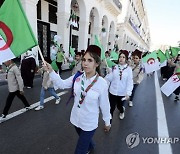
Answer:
(105, 41)
(83, 35)
(63, 29)
(111, 39)
(30, 9)
(96, 31)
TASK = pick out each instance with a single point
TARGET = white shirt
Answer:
(86, 117)
(121, 87)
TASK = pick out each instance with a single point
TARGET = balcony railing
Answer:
(134, 27)
(118, 4)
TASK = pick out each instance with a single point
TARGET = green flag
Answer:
(97, 42)
(72, 52)
(54, 65)
(174, 51)
(168, 56)
(114, 55)
(150, 56)
(161, 56)
(15, 31)
(110, 63)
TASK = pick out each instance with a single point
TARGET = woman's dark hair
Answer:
(125, 52)
(96, 58)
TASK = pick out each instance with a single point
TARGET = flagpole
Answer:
(41, 55)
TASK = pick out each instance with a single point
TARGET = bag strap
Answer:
(78, 73)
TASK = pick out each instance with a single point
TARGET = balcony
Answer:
(136, 29)
(114, 6)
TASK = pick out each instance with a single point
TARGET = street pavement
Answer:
(49, 131)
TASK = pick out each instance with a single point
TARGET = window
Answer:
(39, 10)
(52, 14)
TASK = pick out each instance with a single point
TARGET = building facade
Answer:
(76, 22)
(133, 27)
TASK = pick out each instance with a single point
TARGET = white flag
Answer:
(171, 85)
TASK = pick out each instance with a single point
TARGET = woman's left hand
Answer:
(127, 97)
(107, 128)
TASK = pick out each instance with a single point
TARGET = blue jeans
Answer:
(85, 142)
(51, 91)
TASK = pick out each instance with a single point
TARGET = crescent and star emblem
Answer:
(8, 34)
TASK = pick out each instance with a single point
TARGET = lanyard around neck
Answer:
(10, 66)
(121, 71)
(84, 92)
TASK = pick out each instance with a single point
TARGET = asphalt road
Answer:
(49, 131)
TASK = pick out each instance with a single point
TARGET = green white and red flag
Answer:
(16, 36)
(151, 62)
(172, 84)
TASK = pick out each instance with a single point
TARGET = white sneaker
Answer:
(130, 103)
(39, 108)
(28, 108)
(58, 100)
(122, 115)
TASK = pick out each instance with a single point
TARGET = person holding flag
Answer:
(137, 72)
(121, 84)
(90, 94)
(47, 85)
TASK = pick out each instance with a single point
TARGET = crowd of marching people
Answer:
(95, 86)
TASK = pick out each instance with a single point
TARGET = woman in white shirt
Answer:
(121, 83)
(90, 94)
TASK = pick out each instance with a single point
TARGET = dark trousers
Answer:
(85, 142)
(59, 64)
(10, 99)
(177, 91)
(133, 91)
(26, 67)
(116, 101)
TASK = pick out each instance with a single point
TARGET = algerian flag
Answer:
(162, 58)
(16, 36)
(72, 52)
(114, 55)
(168, 56)
(151, 62)
(110, 63)
(97, 42)
(171, 85)
(174, 51)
